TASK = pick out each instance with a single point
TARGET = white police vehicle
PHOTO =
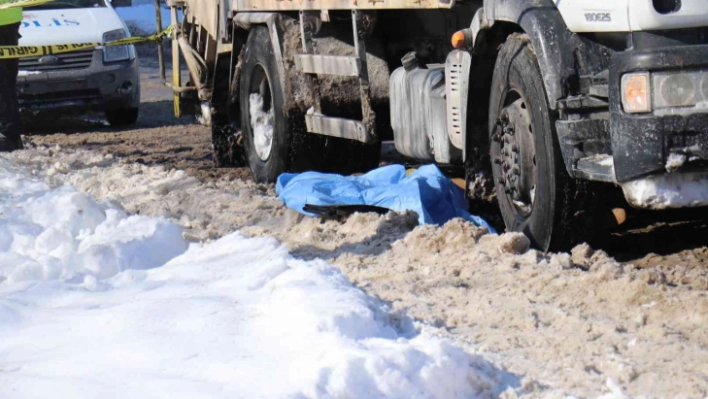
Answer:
(104, 78)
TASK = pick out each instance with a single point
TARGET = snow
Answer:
(675, 161)
(262, 125)
(606, 160)
(62, 234)
(675, 190)
(95, 303)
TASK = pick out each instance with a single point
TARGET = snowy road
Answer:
(582, 324)
(95, 303)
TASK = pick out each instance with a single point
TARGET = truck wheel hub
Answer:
(517, 160)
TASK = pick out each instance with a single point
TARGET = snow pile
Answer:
(62, 234)
(262, 125)
(236, 318)
(674, 190)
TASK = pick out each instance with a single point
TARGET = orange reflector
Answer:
(458, 39)
(635, 92)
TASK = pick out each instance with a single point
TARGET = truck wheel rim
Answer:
(516, 162)
(261, 113)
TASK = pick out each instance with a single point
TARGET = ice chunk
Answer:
(262, 125)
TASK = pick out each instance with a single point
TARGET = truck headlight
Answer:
(635, 93)
(115, 53)
(680, 89)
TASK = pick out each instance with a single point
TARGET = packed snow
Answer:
(674, 190)
(97, 303)
(262, 125)
(675, 161)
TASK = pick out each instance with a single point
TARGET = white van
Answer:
(104, 78)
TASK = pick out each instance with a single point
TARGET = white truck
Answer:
(540, 100)
(105, 79)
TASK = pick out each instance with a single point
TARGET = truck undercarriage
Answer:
(537, 101)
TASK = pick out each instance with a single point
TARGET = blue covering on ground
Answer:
(427, 192)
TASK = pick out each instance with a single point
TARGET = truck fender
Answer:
(246, 20)
(551, 40)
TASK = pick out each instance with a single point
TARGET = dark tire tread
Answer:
(562, 213)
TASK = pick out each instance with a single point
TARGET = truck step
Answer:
(327, 65)
(337, 127)
(597, 167)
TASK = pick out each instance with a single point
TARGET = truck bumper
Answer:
(646, 147)
(96, 87)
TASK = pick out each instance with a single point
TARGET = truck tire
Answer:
(535, 193)
(263, 122)
(227, 142)
(122, 116)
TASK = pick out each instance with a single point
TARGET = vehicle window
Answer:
(69, 4)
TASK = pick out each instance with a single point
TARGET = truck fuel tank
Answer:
(419, 113)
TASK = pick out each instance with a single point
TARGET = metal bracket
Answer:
(337, 127)
(457, 72)
(327, 65)
(362, 24)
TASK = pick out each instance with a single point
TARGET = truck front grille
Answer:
(74, 60)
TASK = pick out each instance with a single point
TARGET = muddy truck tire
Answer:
(535, 193)
(265, 127)
(274, 134)
(226, 137)
(273, 109)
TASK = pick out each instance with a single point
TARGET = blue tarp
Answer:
(426, 191)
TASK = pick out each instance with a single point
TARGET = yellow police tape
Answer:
(24, 3)
(8, 52)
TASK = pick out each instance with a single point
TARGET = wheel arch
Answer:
(550, 38)
(246, 20)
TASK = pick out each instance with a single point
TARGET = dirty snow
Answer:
(665, 191)
(578, 323)
(262, 125)
(675, 161)
(96, 303)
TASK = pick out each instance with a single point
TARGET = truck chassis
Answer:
(538, 114)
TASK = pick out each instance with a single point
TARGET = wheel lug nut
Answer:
(500, 181)
(515, 147)
(497, 160)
